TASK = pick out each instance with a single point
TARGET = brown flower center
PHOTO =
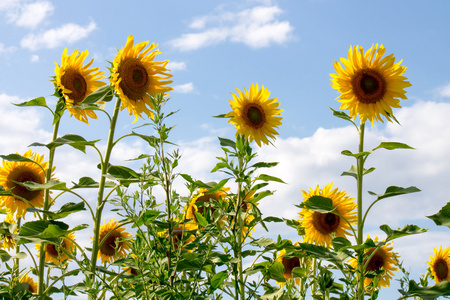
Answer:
(289, 265)
(75, 82)
(55, 251)
(441, 269)
(368, 86)
(31, 288)
(206, 199)
(109, 246)
(23, 174)
(134, 78)
(254, 115)
(376, 262)
(325, 223)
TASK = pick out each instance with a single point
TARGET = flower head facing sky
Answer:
(370, 85)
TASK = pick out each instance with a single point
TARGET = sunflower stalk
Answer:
(360, 174)
(48, 177)
(100, 201)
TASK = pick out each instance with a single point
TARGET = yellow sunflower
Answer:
(75, 82)
(55, 254)
(321, 227)
(369, 84)
(23, 171)
(136, 77)
(115, 245)
(440, 264)
(32, 286)
(204, 197)
(383, 259)
(182, 236)
(289, 264)
(255, 115)
(8, 241)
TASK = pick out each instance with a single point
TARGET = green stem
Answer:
(48, 177)
(360, 170)
(240, 234)
(101, 188)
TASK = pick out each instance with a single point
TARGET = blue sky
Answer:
(215, 47)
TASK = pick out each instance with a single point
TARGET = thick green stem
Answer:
(101, 188)
(240, 234)
(48, 177)
(360, 170)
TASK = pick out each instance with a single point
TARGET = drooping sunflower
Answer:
(8, 241)
(255, 115)
(136, 77)
(182, 235)
(32, 286)
(113, 245)
(56, 254)
(384, 259)
(204, 197)
(289, 264)
(440, 264)
(76, 81)
(369, 84)
(321, 227)
(22, 171)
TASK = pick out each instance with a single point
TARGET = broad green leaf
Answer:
(323, 253)
(40, 101)
(201, 219)
(276, 271)
(151, 140)
(356, 155)
(392, 146)
(20, 255)
(36, 228)
(102, 94)
(16, 157)
(218, 279)
(319, 203)
(273, 219)
(51, 185)
(227, 143)
(442, 218)
(273, 294)
(218, 186)
(406, 230)
(262, 242)
(264, 165)
(76, 141)
(352, 172)
(198, 183)
(395, 191)
(67, 209)
(121, 172)
(265, 177)
(428, 292)
(340, 243)
(343, 115)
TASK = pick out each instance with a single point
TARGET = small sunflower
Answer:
(289, 264)
(204, 197)
(8, 241)
(136, 77)
(369, 84)
(384, 259)
(115, 245)
(32, 286)
(182, 235)
(320, 227)
(55, 254)
(75, 82)
(22, 171)
(255, 115)
(440, 264)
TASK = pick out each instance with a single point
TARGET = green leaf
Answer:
(76, 141)
(221, 116)
(276, 271)
(442, 218)
(356, 155)
(273, 219)
(102, 94)
(51, 185)
(395, 191)
(201, 219)
(121, 172)
(340, 243)
(151, 140)
(262, 242)
(343, 115)
(352, 172)
(40, 101)
(323, 253)
(218, 279)
(16, 157)
(67, 209)
(428, 292)
(406, 230)
(43, 228)
(319, 203)
(264, 165)
(227, 143)
(218, 186)
(59, 110)
(392, 146)
(265, 177)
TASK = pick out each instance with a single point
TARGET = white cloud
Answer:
(66, 34)
(257, 27)
(33, 14)
(444, 91)
(34, 58)
(176, 66)
(184, 88)
(6, 50)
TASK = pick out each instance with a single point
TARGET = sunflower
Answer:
(182, 236)
(369, 84)
(289, 264)
(255, 115)
(32, 286)
(116, 244)
(23, 171)
(54, 253)
(8, 241)
(75, 82)
(204, 197)
(321, 227)
(440, 264)
(384, 259)
(136, 77)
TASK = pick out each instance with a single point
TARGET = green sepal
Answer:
(59, 110)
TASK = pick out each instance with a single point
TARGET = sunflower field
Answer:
(164, 245)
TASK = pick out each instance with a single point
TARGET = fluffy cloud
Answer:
(184, 88)
(176, 66)
(25, 14)
(257, 27)
(6, 50)
(66, 34)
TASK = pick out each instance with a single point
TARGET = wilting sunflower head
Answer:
(255, 115)
(137, 77)
(55, 253)
(12, 172)
(204, 198)
(32, 286)
(370, 85)
(289, 263)
(7, 241)
(383, 260)
(440, 264)
(114, 241)
(321, 227)
(76, 81)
